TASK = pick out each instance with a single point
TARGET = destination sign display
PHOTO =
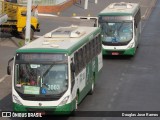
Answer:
(116, 18)
(41, 57)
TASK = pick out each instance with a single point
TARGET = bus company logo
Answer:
(40, 104)
(6, 114)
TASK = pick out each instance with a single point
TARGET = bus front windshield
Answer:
(41, 78)
(117, 32)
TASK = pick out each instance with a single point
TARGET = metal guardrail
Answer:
(43, 2)
(3, 18)
(9, 8)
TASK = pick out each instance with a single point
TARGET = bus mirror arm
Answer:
(9, 67)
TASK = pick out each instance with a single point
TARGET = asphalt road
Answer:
(125, 84)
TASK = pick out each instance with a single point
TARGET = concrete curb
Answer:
(149, 11)
(56, 8)
(16, 41)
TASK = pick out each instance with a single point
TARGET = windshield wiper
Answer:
(45, 73)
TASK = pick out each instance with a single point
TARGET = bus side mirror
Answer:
(73, 67)
(9, 70)
(8, 67)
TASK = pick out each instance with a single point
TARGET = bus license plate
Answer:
(115, 53)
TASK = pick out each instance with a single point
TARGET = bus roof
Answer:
(120, 9)
(61, 40)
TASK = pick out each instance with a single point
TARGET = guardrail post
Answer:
(96, 1)
(86, 4)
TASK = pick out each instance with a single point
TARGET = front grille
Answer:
(39, 97)
(119, 52)
(41, 109)
(115, 43)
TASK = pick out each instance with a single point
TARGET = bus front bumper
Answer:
(130, 51)
(58, 110)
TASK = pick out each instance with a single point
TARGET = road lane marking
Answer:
(117, 88)
(114, 94)
(47, 15)
(119, 84)
(37, 36)
(112, 100)
(3, 78)
(123, 74)
(145, 14)
(121, 79)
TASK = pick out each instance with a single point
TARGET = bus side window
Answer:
(87, 56)
(99, 43)
(90, 50)
(84, 56)
(76, 62)
(82, 59)
(96, 47)
(137, 18)
(79, 60)
(72, 74)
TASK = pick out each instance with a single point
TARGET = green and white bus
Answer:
(56, 71)
(121, 28)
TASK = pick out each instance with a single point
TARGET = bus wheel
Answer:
(76, 105)
(24, 33)
(92, 88)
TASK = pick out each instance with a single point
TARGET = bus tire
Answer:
(73, 113)
(31, 33)
(92, 88)
(76, 104)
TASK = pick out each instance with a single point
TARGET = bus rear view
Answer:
(121, 28)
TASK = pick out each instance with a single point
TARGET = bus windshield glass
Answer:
(117, 32)
(37, 77)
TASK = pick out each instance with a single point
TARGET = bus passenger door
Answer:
(72, 75)
(135, 33)
(73, 86)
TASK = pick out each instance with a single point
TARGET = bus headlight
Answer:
(64, 101)
(16, 100)
(131, 45)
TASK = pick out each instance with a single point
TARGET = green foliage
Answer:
(21, 43)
